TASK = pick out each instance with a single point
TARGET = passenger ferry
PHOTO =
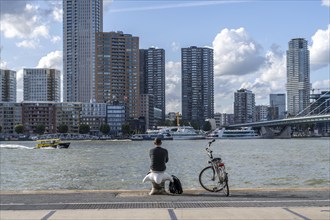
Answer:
(223, 133)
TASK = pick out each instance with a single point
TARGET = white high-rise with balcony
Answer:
(41, 84)
(81, 20)
(298, 77)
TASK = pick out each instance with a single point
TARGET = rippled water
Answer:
(258, 163)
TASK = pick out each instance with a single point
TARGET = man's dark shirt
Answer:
(159, 157)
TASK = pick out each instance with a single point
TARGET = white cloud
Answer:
(58, 12)
(239, 63)
(272, 76)
(56, 39)
(235, 53)
(27, 44)
(326, 3)
(173, 86)
(19, 83)
(175, 46)
(320, 49)
(51, 60)
(24, 25)
(3, 64)
(321, 85)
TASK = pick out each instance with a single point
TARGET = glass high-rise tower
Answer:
(82, 19)
(298, 77)
(197, 68)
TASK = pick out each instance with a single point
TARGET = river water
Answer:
(121, 165)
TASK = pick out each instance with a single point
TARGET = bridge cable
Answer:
(311, 104)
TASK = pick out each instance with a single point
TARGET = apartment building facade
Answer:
(41, 84)
(81, 21)
(7, 85)
(244, 106)
(117, 71)
(197, 69)
(152, 76)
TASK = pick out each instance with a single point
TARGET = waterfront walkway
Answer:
(192, 204)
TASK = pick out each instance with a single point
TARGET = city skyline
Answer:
(249, 49)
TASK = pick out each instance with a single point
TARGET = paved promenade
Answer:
(251, 204)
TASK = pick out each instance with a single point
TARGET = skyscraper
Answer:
(117, 70)
(81, 20)
(244, 106)
(298, 78)
(197, 84)
(41, 84)
(277, 101)
(152, 76)
(7, 85)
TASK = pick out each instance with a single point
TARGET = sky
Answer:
(249, 38)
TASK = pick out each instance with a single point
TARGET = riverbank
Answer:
(298, 203)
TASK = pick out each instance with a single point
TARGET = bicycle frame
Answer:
(216, 173)
(216, 163)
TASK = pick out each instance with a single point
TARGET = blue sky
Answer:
(249, 38)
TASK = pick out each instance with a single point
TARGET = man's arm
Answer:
(166, 158)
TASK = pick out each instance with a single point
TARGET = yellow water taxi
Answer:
(52, 143)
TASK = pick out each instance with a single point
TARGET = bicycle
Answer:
(214, 178)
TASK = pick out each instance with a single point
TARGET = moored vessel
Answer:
(184, 133)
(223, 133)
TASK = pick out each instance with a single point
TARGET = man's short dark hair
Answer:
(158, 141)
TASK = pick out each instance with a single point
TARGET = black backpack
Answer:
(175, 186)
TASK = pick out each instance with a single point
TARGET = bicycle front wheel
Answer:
(209, 180)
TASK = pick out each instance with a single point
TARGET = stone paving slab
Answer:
(306, 213)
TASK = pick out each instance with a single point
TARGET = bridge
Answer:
(282, 128)
(286, 121)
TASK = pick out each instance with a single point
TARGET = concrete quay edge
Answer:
(191, 191)
(179, 213)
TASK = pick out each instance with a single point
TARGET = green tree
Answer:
(84, 129)
(207, 126)
(63, 128)
(125, 128)
(105, 128)
(40, 129)
(19, 129)
(195, 125)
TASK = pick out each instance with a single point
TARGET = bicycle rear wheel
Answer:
(209, 180)
(226, 186)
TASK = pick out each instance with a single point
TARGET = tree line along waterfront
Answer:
(85, 131)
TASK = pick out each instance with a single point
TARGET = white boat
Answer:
(51, 143)
(148, 136)
(184, 133)
(234, 134)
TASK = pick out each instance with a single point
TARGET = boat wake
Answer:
(15, 146)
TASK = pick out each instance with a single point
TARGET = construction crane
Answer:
(177, 119)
